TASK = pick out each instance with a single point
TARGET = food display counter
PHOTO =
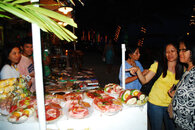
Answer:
(108, 108)
(134, 118)
(130, 118)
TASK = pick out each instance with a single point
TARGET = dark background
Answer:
(164, 21)
(160, 17)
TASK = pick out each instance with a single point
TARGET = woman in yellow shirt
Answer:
(158, 97)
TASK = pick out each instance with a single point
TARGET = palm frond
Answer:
(4, 16)
(44, 18)
(53, 14)
(20, 1)
(6, 1)
(15, 11)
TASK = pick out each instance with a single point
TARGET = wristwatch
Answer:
(28, 78)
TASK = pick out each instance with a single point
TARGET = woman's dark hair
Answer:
(26, 40)
(178, 68)
(130, 49)
(6, 51)
(189, 43)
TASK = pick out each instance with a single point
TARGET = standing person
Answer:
(10, 58)
(183, 103)
(46, 60)
(109, 55)
(159, 99)
(25, 66)
(132, 56)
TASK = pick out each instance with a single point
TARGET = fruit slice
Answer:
(132, 101)
(125, 95)
(134, 92)
(107, 89)
(129, 97)
(141, 97)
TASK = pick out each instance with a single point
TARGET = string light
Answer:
(118, 29)
(141, 41)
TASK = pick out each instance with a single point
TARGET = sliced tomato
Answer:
(76, 110)
(52, 114)
(21, 102)
(93, 94)
(109, 90)
(13, 108)
(120, 94)
(30, 106)
(73, 96)
(27, 98)
(129, 97)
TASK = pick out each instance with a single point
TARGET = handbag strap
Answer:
(147, 87)
(158, 74)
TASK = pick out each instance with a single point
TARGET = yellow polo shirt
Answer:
(159, 92)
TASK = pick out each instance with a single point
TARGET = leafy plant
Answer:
(44, 18)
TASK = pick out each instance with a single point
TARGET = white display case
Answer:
(130, 118)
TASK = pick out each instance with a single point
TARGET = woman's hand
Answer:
(133, 70)
(144, 77)
(29, 84)
(32, 74)
(171, 93)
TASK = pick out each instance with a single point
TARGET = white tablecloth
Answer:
(130, 118)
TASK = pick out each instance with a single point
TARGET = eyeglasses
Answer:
(183, 50)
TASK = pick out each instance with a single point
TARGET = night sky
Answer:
(162, 18)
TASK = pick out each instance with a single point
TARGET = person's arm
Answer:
(145, 72)
(4, 74)
(143, 78)
(7, 72)
(130, 79)
(133, 78)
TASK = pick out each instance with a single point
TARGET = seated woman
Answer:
(10, 58)
(132, 56)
